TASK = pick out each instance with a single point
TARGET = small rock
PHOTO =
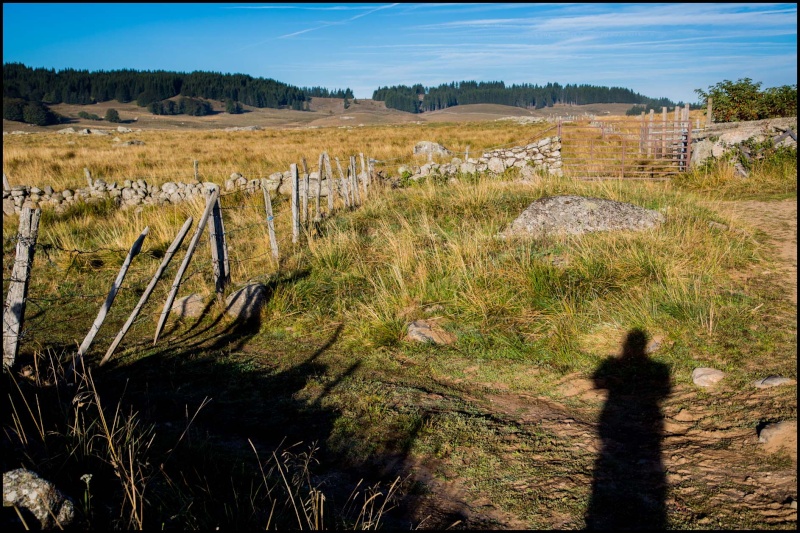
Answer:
(780, 435)
(706, 377)
(189, 306)
(424, 331)
(246, 303)
(773, 381)
(717, 225)
(28, 491)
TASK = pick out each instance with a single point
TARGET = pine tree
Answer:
(112, 115)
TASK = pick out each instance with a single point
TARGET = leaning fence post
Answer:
(295, 207)
(88, 176)
(329, 174)
(273, 243)
(14, 312)
(149, 290)
(210, 203)
(6, 186)
(219, 250)
(101, 315)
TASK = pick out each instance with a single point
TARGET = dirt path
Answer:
(779, 221)
(717, 474)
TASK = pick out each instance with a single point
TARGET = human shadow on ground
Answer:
(629, 483)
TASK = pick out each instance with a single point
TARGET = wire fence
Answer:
(67, 285)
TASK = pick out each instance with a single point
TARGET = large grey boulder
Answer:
(428, 147)
(575, 215)
(246, 303)
(29, 492)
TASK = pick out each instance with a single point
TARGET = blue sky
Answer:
(655, 49)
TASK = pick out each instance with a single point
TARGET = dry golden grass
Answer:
(58, 160)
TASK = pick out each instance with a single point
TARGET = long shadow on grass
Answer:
(629, 486)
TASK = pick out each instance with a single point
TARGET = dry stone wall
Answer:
(539, 157)
(543, 156)
(718, 139)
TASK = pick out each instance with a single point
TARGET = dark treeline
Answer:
(322, 92)
(72, 86)
(418, 99)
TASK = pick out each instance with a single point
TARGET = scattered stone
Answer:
(779, 435)
(123, 129)
(29, 492)
(654, 345)
(132, 142)
(773, 381)
(66, 131)
(575, 215)
(428, 147)
(246, 303)
(189, 306)
(706, 377)
(425, 331)
(717, 225)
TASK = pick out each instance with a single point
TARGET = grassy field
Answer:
(320, 414)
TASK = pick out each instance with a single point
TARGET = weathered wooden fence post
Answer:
(641, 134)
(273, 243)
(345, 192)
(650, 133)
(6, 186)
(219, 250)
(88, 176)
(196, 171)
(304, 196)
(318, 199)
(354, 181)
(709, 113)
(664, 131)
(364, 175)
(112, 294)
(17, 297)
(149, 290)
(295, 201)
(466, 154)
(331, 179)
(210, 203)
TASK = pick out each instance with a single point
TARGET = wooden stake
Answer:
(273, 243)
(210, 203)
(345, 193)
(709, 113)
(101, 316)
(295, 207)
(149, 290)
(6, 186)
(364, 175)
(317, 208)
(219, 250)
(331, 188)
(88, 175)
(196, 171)
(16, 299)
(304, 189)
(354, 181)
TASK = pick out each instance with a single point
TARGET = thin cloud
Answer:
(322, 26)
